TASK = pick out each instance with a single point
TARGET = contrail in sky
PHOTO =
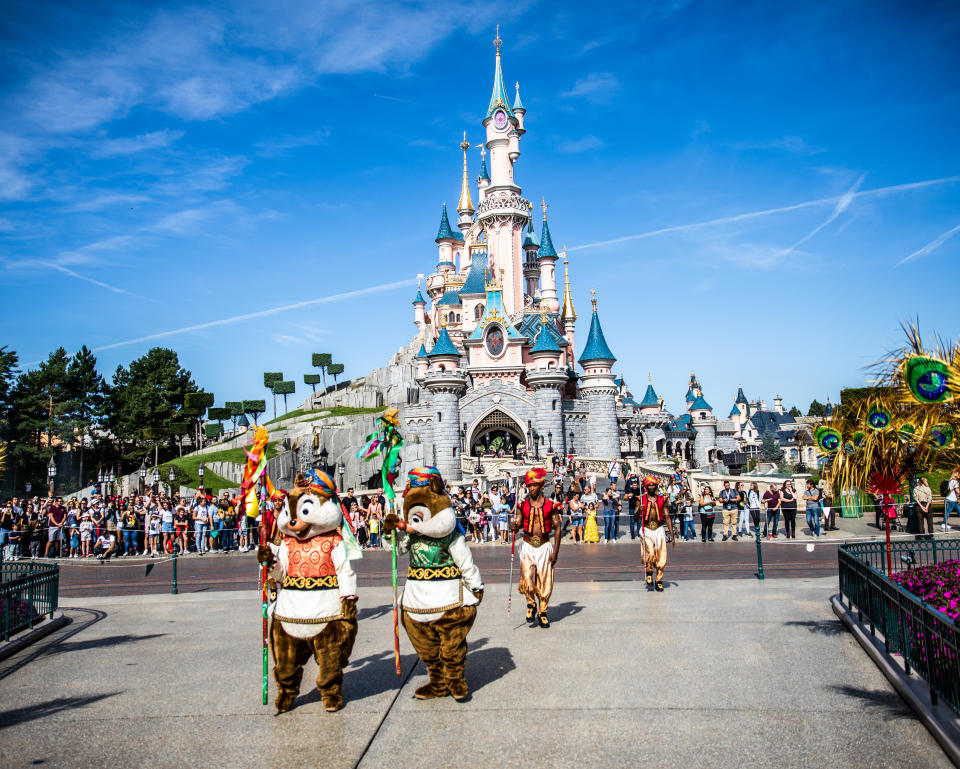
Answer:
(879, 191)
(932, 246)
(262, 313)
(394, 98)
(842, 205)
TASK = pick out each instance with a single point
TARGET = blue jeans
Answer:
(773, 521)
(688, 530)
(4, 535)
(948, 507)
(813, 520)
(226, 538)
(200, 537)
(129, 541)
(609, 526)
(633, 526)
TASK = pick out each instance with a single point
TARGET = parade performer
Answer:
(316, 608)
(437, 612)
(653, 520)
(539, 519)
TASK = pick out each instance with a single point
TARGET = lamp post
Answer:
(156, 479)
(143, 476)
(111, 477)
(549, 442)
(172, 477)
(463, 439)
(756, 528)
(51, 473)
(200, 471)
(323, 455)
(340, 475)
(101, 476)
(571, 442)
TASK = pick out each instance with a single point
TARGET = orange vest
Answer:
(312, 558)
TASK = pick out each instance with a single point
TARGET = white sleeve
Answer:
(346, 576)
(403, 540)
(464, 559)
(278, 570)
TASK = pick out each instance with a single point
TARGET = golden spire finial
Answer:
(502, 272)
(497, 41)
(544, 206)
(466, 204)
(443, 320)
(593, 298)
(568, 312)
(543, 317)
(649, 378)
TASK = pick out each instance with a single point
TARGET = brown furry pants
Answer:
(330, 648)
(442, 646)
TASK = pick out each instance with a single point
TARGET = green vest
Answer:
(430, 553)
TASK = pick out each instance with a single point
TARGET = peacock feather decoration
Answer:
(908, 425)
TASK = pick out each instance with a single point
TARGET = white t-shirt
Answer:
(105, 541)
(954, 485)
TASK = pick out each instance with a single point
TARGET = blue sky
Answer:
(759, 193)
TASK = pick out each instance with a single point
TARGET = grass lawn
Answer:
(325, 413)
(186, 467)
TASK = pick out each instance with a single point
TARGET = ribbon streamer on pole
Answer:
(387, 441)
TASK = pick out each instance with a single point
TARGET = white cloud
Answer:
(932, 246)
(97, 202)
(597, 86)
(130, 145)
(281, 144)
(792, 144)
(588, 142)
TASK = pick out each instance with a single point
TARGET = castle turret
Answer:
(531, 267)
(465, 206)
(445, 240)
(705, 425)
(598, 387)
(483, 178)
(446, 384)
(519, 110)
(419, 303)
(548, 266)
(547, 381)
(568, 315)
(650, 403)
(423, 362)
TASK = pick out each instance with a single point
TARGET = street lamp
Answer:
(171, 476)
(101, 476)
(550, 442)
(323, 459)
(571, 442)
(156, 479)
(200, 471)
(51, 473)
(111, 477)
(143, 475)
(340, 474)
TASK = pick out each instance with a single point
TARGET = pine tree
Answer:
(770, 450)
(817, 409)
(87, 399)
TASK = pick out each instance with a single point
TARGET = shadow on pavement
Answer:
(96, 643)
(48, 708)
(374, 612)
(887, 703)
(488, 665)
(365, 677)
(826, 627)
(78, 620)
(563, 610)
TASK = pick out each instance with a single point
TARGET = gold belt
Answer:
(535, 540)
(433, 572)
(311, 583)
(653, 525)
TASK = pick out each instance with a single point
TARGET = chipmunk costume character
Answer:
(316, 608)
(653, 520)
(443, 587)
(539, 518)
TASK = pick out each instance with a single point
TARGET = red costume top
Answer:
(311, 559)
(645, 506)
(543, 517)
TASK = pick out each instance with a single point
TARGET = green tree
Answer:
(270, 378)
(178, 431)
(254, 408)
(321, 360)
(213, 431)
(770, 450)
(335, 368)
(313, 380)
(284, 389)
(148, 393)
(197, 404)
(817, 409)
(8, 378)
(795, 412)
(236, 411)
(85, 408)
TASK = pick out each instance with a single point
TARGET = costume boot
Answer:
(437, 687)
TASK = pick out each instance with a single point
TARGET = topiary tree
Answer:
(335, 368)
(254, 408)
(285, 389)
(213, 430)
(236, 411)
(177, 431)
(313, 380)
(321, 360)
(197, 404)
(270, 378)
(218, 415)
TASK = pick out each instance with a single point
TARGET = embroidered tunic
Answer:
(439, 570)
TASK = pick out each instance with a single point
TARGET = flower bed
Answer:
(937, 584)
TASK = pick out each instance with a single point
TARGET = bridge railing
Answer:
(28, 594)
(927, 639)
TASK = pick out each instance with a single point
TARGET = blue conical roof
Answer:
(700, 404)
(423, 352)
(418, 299)
(483, 170)
(546, 243)
(517, 104)
(650, 397)
(530, 238)
(445, 232)
(690, 396)
(499, 96)
(545, 342)
(596, 348)
(444, 345)
(476, 281)
(734, 412)
(741, 398)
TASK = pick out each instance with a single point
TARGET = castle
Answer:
(496, 366)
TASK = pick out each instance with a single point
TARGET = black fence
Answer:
(927, 639)
(28, 595)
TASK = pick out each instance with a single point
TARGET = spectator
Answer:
(166, 525)
(707, 512)
(632, 494)
(130, 522)
(7, 519)
(11, 550)
(923, 495)
(105, 546)
(788, 504)
(153, 532)
(86, 534)
(826, 506)
(228, 518)
(743, 510)
(181, 523)
(753, 505)
(950, 503)
(609, 515)
(729, 498)
(34, 532)
(689, 532)
(374, 517)
(56, 517)
(613, 472)
(201, 526)
(575, 504)
(591, 533)
(771, 498)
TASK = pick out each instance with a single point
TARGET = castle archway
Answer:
(496, 430)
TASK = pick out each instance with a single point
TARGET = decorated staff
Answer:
(906, 425)
(387, 442)
(315, 613)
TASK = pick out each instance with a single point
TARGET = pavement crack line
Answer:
(386, 713)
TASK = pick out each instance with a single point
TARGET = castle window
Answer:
(458, 317)
(703, 414)
(554, 405)
(452, 318)
(478, 312)
(439, 416)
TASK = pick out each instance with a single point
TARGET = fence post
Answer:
(173, 584)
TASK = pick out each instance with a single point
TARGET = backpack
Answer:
(944, 487)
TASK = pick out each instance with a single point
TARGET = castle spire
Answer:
(546, 242)
(597, 347)
(568, 312)
(466, 204)
(498, 99)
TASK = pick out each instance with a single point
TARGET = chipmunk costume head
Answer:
(427, 509)
(312, 507)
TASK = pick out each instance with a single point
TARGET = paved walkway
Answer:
(707, 674)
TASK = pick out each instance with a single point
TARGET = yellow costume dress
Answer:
(590, 532)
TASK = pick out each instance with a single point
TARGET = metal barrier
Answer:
(28, 595)
(928, 640)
